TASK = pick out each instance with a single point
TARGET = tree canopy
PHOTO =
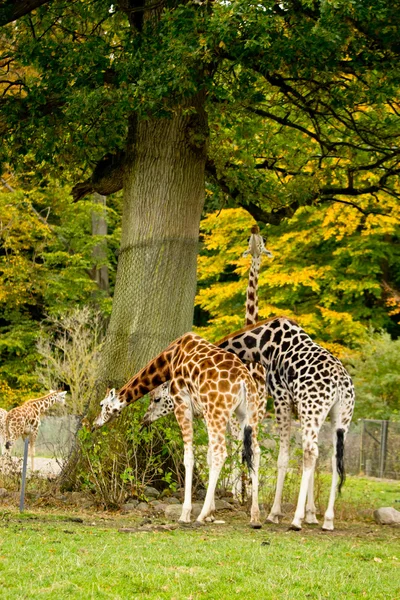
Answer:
(294, 109)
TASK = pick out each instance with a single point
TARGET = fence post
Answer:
(382, 457)
(25, 463)
(362, 447)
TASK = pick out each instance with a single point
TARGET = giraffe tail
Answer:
(247, 452)
(340, 458)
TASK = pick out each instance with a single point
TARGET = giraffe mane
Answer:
(253, 326)
(40, 397)
(168, 349)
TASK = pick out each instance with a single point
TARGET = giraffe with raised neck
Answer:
(256, 249)
(204, 379)
(3, 415)
(162, 402)
(304, 378)
(24, 421)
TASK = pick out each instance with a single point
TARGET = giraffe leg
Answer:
(218, 455)
(311, 509)
(329, 514)
(255, 510)
(283, 418)
(209, 463)
(237, 473)
(184, 418)
(248, 420)
(310, 426)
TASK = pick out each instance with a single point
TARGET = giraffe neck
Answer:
(151, 376)
(43, 404)
(252, 292)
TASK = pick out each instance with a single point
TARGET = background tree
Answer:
(326, 273)
(148, 96)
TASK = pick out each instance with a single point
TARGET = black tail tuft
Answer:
(8, 445)
(340, 458)
(247, 452)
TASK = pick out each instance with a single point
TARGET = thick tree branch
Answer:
(11, 10)
(107, 177)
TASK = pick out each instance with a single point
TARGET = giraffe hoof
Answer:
(255, 525)
(184, 523)
(327, 528)
(272, 519)
(294, 527)
(198, 524)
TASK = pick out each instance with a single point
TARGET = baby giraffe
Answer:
(204, 380)
(24, 421)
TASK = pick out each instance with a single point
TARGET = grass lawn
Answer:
(45, 555)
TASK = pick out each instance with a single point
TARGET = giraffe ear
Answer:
(112, 393)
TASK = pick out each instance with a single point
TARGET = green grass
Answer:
(47, 556)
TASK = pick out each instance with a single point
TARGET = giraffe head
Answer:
(111, 408)
(57, 396)
(257, 244)
(161, 404)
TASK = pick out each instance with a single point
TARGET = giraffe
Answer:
(307, 379)
(161, 400)
(24, 420)
(204, 379)
(256, 249)
(3, 415)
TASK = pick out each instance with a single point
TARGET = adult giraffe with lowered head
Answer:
(208, 380)
(307, 379)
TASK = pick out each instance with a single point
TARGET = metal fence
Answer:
(380, 449)
(372, 447)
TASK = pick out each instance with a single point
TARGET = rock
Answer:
(229, 499)
(173, 511)
(387, 516)
(151, 492)
(161, 507)
(129, 507)
(81, 499)
(171, 500)
(3, 493)
(242, 514)
(201, 494)
(223, 505)
(143, 507)
(196, 510)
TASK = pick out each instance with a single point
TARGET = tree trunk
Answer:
(99, 227)
(156, 275)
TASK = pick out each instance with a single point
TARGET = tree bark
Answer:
(156, 275)
(99, 227)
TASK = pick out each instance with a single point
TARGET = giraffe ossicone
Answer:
(203, 379)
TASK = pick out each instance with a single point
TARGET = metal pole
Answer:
(362, 466)
(25, 464)
(382, 458)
